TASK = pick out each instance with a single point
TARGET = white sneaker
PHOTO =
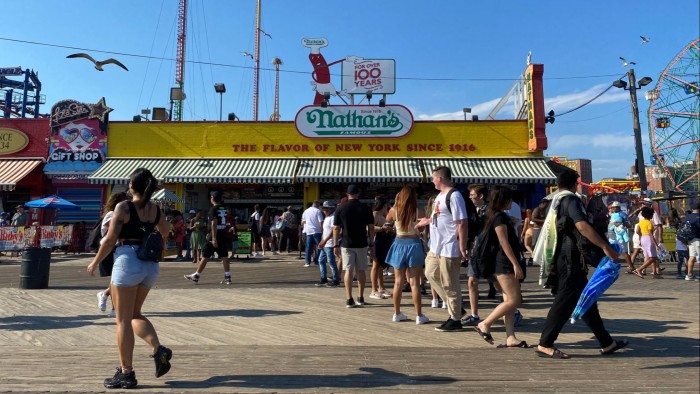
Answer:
(389, 273)
(307, 265)
(112, 313)
(690, 277)
(275, 253)
(444, 305)
(102, 301)
(435, 303)
(256, 254)
(376, 296)
(399, 317)
(422, 319)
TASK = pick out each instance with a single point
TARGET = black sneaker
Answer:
(321, 283)
(226, 281)
(162, 358)
(360, 301)
(492, 294)
(450, 326)
(406, 288)
(332, 283)
(423, 290)
(121, 381)
(350, 303)
(194, 278)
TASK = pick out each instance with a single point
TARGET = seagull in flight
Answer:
(625, 63)
(247, 54)
(98, 64)
(263, 32)
(644, 39)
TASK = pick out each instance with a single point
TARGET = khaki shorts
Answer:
(354, 258)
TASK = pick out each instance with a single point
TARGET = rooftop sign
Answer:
(349, 121)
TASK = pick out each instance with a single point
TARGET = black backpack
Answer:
(484, 252)
(686, 232)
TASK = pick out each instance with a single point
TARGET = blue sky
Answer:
(481, 47)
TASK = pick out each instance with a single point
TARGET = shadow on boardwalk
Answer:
(373, 378)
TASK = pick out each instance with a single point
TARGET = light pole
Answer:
(221, 89)
(466, 111)
(641, 169)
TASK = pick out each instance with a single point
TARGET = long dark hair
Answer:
(144, 183)
(405, 206)
(500, 197)
(113, 200)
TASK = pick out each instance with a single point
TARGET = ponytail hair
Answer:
(144, 183)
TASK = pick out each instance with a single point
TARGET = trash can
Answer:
(34, 268)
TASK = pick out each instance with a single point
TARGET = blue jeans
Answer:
(682, 256)
(326, 256)
(312, 241)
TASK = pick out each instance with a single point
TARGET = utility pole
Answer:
(641, 169)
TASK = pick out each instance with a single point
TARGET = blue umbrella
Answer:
(604, 276)
(52, 202)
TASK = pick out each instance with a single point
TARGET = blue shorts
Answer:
(129, 271)
(406, 253)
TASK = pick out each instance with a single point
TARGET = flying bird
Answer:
(644, 39)
(247, 54)
(98, 64)
(625, 63)
(263, 32)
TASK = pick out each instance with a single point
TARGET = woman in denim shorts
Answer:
(406, 253)
(132, 278)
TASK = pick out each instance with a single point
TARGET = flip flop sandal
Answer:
(638, 274)
(484, 335)
(619, 344)
(522, 344)
(558, 354)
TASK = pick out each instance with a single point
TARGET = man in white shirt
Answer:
(311, 221)
(448, 246)
(326, 248)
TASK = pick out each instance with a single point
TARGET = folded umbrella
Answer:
(604, 276)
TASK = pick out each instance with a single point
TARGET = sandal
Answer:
(557, 354)
(522, 344)
(630, 271)
(484, 335)
(638, 274)
(618, 345)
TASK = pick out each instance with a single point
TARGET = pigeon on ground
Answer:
(625, 63)
(98, 64)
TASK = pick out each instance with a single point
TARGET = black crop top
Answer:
(135, 228)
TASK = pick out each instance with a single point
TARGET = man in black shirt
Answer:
(219, 240)
(572, 274)
(357, 224)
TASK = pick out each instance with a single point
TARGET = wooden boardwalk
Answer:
(273, 331)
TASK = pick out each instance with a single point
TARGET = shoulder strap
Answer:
(447, 200)
(157, 215)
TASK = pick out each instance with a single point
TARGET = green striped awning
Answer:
(117, 171)
(233, 171)
(360, 170)
(495, 170)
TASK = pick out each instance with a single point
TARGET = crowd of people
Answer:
(419, 245)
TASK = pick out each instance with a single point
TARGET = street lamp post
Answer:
(641, 169)
(221, 89)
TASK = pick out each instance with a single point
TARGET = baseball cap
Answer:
(647, 201)
(615, 204)
(192, 211)
(353, 189)
(328, 204)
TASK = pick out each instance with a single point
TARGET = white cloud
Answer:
(579, 141)
(559, 104)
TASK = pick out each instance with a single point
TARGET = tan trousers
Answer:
(443, 273)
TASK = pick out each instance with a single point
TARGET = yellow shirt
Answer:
(645, 226)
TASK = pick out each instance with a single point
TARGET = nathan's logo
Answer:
(347, 121)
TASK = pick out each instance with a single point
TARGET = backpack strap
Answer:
(447, 200)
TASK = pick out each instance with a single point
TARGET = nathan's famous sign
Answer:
(343, 121)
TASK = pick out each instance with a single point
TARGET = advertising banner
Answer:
(53, 236)
(10, 71)
(363, 75)
(12, 141)
(16, 238)
(78, 141)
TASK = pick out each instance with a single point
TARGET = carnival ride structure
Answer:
(674, 119)
(20, 98)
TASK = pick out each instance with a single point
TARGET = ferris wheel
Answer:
(674, 123)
